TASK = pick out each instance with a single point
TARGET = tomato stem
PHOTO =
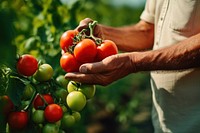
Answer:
(82, 34)
(97, 40)
(45, 102)
(31, 101)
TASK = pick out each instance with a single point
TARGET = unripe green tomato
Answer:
(76, 100)
(44, 73)
(50, 128)
(38, 116)
(61, 94)
(28, 92)
(64, 108)
(72, 86)
(77, 116)
(62, 81)
(67, 121)
(87, 90)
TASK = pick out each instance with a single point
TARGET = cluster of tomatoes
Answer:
(78, 48)
(54, 108)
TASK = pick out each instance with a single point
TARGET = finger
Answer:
(84, 24)
(82, 78)
(97, 67)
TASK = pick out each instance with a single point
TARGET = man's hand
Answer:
(105, 72)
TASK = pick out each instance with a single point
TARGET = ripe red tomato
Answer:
(27, 65)
(18, 120)
(38, 101)
(53, 113)
(69, 63)
(106, 49)
(7, 105)
(66, 39)
(85, 51)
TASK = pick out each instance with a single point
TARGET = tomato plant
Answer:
(105, 49)
(44, 73)
(85, 51)
(27, 65)
(53, 113)
(69, 63)
(76, 100)
(39, 102)
(18, 120)
(67, 38)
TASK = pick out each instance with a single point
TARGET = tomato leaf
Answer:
(15, 89)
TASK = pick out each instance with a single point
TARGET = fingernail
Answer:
(83, 69)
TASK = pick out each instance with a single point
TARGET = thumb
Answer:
(96, 67)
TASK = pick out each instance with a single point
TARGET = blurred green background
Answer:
(35, 26)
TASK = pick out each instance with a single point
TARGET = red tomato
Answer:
(27, 65)
(66, 39)
(38, 101)
(85, 51)
(106, 49)
(69, 63)
(7, 105)
(53, 113)
(18, 120)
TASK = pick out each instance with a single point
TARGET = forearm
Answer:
(183, 55)
(130, 38)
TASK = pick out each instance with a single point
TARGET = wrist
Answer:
(141, 61)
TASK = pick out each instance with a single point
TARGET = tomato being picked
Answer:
(27, 65)
(85, 51)
(69, 63)
(66, 39)
(105, 49)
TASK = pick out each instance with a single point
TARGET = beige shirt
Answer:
(175, 94)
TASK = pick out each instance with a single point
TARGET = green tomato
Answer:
(64, 108)
(62, 81)
(67, 121)
(44, 73)
(77, 116)
(28, 92)
(76, 100)
(50, 128)
(88, 90)
(38, 116)
(72, 86)
(61, 94)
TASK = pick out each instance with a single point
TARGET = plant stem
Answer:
(91, 27)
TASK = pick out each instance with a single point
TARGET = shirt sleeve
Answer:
(149, 12)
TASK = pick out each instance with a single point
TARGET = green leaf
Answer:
(15, 89)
